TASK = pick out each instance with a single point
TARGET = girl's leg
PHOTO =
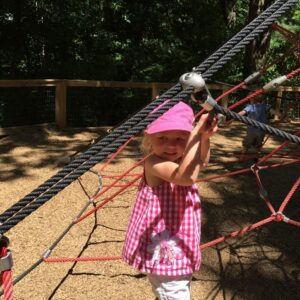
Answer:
(171, 287)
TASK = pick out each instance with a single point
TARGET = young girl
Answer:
(163, 235)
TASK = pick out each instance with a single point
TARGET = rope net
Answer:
(112, 186)
(113, 144)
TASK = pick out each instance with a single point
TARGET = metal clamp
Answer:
(221, 119)
(251, 77)
(192, 79)
(273, 84)
(6, 262)
(47, 253)
(209, 103)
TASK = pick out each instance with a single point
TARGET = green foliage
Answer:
(279, 46)
(117, 40)
(124, 39)
(120, 40)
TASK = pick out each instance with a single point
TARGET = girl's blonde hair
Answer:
(146, 145)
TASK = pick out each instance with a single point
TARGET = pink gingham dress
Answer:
(163, 235)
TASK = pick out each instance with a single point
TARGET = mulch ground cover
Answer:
(259, 264)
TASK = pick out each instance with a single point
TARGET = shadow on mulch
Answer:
(59, 147)
(260, 264)
(263, 263)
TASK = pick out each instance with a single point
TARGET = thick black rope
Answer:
(240, 35)
(85, 167)
(107, 140)
(91, 151)
(247, 39)
(120, 141)
(267, 128)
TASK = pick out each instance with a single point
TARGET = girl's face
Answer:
(169, 145)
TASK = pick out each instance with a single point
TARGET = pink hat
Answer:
(178, 117)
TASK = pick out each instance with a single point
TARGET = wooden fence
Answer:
(61, 86)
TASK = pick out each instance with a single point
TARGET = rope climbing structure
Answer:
(112, 144)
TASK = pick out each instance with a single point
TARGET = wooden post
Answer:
(155, 91)
(224, 100)
(61, 105)
(277, 105)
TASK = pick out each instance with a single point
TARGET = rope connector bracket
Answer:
(6, 262)
(47, 253)
(279, 216)
(255, 168)
(273, 84)
(208, 104)
(192, 79)
(251, 77)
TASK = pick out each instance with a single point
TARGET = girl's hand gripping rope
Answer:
(207, 127)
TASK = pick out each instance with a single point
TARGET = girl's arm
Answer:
(195, 156)
(205, 149)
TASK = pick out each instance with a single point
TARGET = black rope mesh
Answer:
(139, 121)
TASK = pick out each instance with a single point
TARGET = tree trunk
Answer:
(255, 52)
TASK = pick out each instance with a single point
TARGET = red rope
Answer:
(106, 200)
(246, 170)
(294, 73)
(284, 31)
(235, 88)
(262, 189)
(237, 232)
(6, 279)
(120, 177)
(74, 259)
(119, 185)
(289, 196)
(115, 154)
(280, 164)
(203, 246)
(284, 144)
(293, 222)
(242, 101)
(291, 50)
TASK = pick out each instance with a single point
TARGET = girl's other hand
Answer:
(205, 128)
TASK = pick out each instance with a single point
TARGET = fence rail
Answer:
(61, 86)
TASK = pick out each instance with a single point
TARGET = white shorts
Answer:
(171, 287)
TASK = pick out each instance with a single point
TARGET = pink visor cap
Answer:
(178, 117)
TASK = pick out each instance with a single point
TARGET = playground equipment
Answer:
(116, 140)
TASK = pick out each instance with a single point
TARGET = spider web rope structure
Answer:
(125, 132)
(110, 143)
(275, 215)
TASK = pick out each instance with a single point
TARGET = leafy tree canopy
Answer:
(124, 40)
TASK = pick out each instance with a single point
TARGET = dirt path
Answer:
(261, 264)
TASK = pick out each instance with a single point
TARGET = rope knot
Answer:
(279, 217)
